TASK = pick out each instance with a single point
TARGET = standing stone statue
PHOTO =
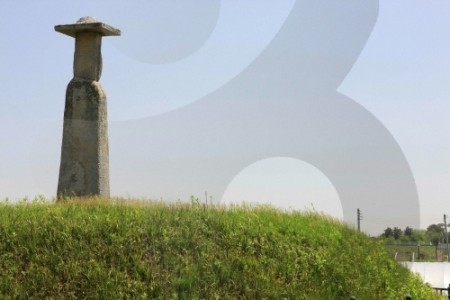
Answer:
(84, 169)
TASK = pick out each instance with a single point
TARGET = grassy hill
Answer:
(106, 250)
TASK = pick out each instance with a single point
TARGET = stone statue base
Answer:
(84, 168)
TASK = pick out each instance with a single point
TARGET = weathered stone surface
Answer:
(88, 24)
(84, 168)
(87, 62)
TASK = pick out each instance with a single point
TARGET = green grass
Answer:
(104, 250)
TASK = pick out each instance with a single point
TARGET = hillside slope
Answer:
(103, 250)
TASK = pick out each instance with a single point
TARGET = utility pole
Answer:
(446, 237)
(359, 218)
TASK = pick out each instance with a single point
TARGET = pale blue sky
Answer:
(402, 77)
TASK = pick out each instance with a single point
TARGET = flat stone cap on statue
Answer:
(88, 24)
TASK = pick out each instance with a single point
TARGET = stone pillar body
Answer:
(84, 168)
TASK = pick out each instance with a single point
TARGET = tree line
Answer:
(433, 235)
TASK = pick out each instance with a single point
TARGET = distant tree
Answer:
(397, 233)
(435, 239)
(405, 239)
(436, 228)
(408, 232)
(435, 233)
(388, 232)
(419, 236)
